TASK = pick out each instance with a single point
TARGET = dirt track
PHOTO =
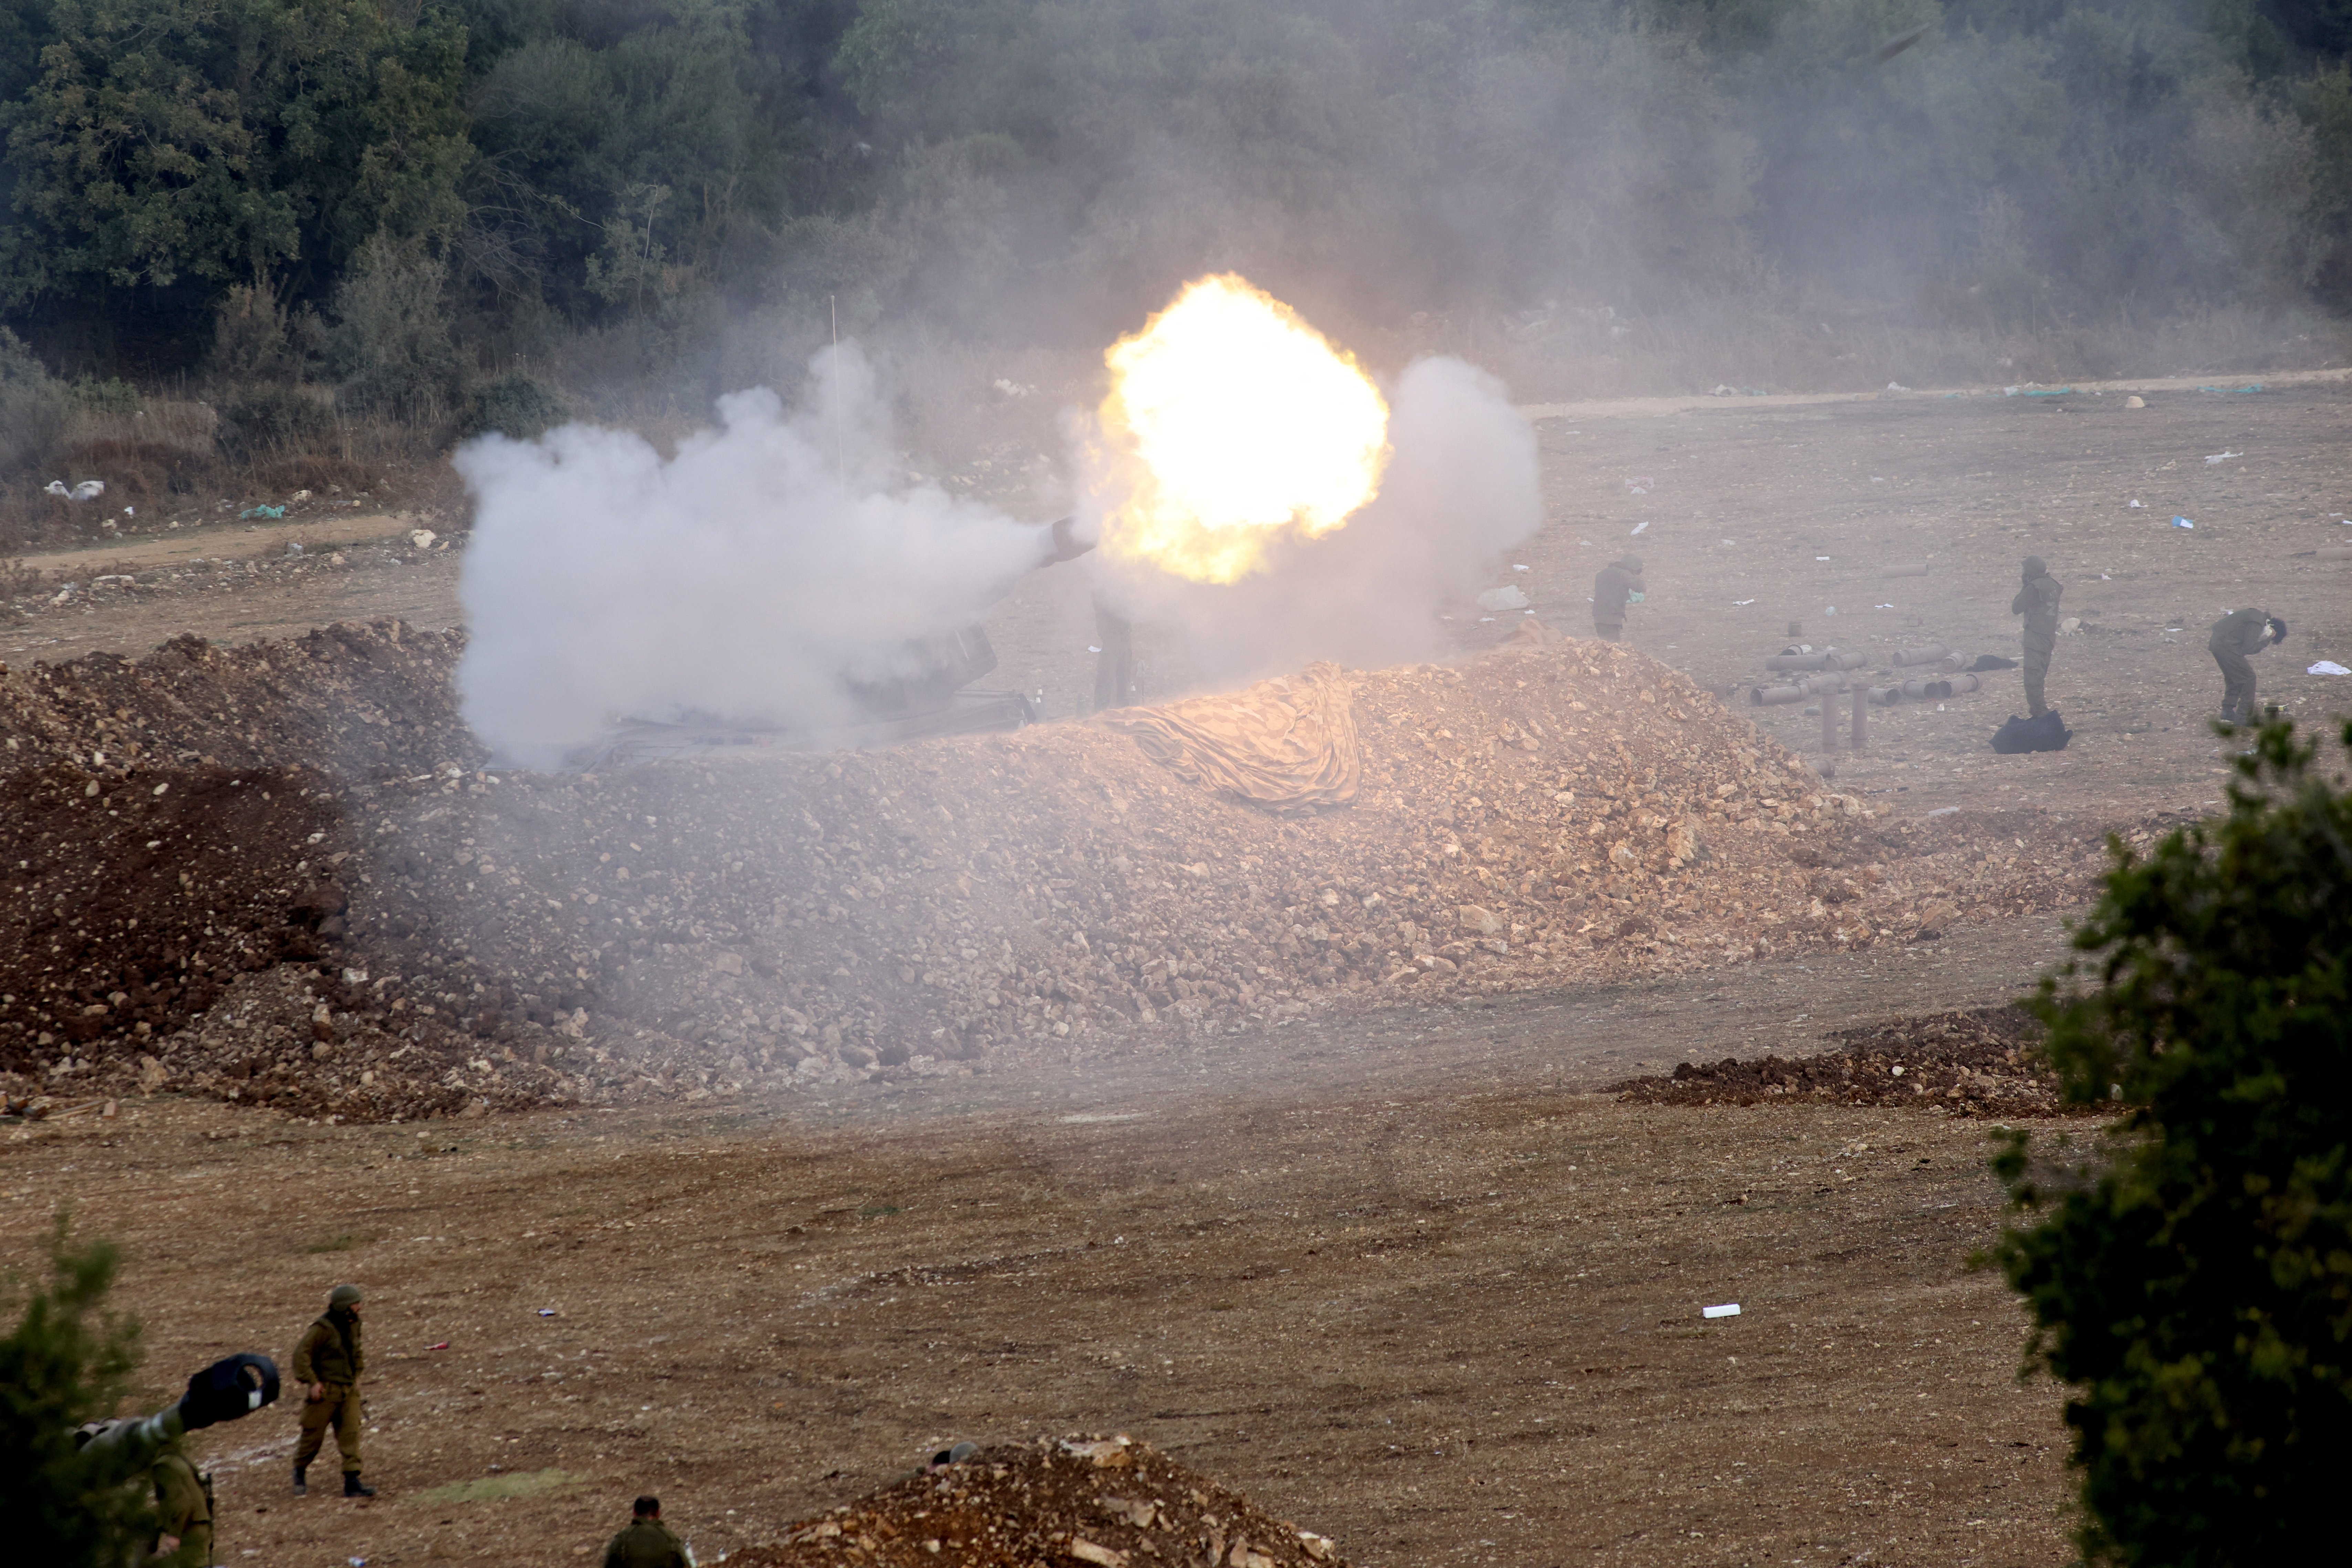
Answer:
(1485, 1347)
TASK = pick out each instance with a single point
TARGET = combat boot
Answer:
(301, 1485)
(352, 1487)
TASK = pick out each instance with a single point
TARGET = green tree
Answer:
(66, 1361)
(229, 141)
(389, 345)
(2195, 1284)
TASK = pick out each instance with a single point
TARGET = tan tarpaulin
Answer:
(1285, 743)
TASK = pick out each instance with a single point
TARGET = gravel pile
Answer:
(1985, 1061)
(283, 874)
(1109, 1501)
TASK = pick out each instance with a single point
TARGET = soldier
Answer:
(183, 1503)
(1618, 583)
(2037, 601)
(2236, 635)
(647, 1542)
(330, 1359)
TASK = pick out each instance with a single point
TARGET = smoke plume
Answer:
(745, 579)
(748, 579)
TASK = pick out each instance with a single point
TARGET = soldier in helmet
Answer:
(330, 1360)
(2037, 601)
(1618, 584)
(2237, 636)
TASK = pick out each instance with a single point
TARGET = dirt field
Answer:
(1416, 1287)
(1397, 1270)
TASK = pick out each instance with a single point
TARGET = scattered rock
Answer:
(1986, 1061)
(227, 858)
(1107, 1501)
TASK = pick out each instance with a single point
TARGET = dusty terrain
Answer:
(1383, 1249)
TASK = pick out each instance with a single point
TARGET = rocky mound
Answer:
(1103, 1500)
(281, 873)
(1986, 1061)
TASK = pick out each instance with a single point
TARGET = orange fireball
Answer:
(1229, 422)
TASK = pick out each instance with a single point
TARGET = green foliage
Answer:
(34, 406)
(230, 140)
(635, 172)
(257, 339)
(2195, 1286)
(112, 395)
(66, 1361)
(390, 344)
(516, 406)
(271, 418)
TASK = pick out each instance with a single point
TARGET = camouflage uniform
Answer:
(2038, 603)
(330, 1353)
(1616, 582)
(648, 1543)
(2236, 635)
(184, 1508)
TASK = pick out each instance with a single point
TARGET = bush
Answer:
(113, 395)
(270, 419)
(389, 345)
(517, 406)
(255, 339)
(66, 1363)
(2196, 1285)
(34, 406)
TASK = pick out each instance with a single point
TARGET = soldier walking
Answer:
(330, 1360)
(647, 1542)
(184, 1508)
(1618, 584)
(2037, 601)
(2235, 636)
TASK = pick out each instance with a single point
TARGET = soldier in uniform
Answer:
(2236, 635)
(1618, 583)
(183, 1503)
(647, 1542)
(2037, 601)
(330, 1360)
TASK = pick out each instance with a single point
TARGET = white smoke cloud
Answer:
(746, 578)
(1461, 485)
(741, 580)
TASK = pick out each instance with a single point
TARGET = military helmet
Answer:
(2035, 567)
(1631, 562)
(344, 1296)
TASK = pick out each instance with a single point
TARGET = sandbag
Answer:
(2048, 733)
(1288, 743)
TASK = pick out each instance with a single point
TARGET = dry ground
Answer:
(1410, 1282)
(1416, 1286)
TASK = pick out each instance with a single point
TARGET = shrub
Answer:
(2195, 1285)
(517, 406)
(255, 339)
(113, 395)
(66, 1363)
(34, 406)
(389, 345)
(271, 418)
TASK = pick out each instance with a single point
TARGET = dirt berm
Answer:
(1109, 1501)
(281, 873)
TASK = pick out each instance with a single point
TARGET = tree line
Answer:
(397, 195)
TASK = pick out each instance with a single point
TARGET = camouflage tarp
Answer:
(1287, 743)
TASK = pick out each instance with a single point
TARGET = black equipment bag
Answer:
(2048, 733)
